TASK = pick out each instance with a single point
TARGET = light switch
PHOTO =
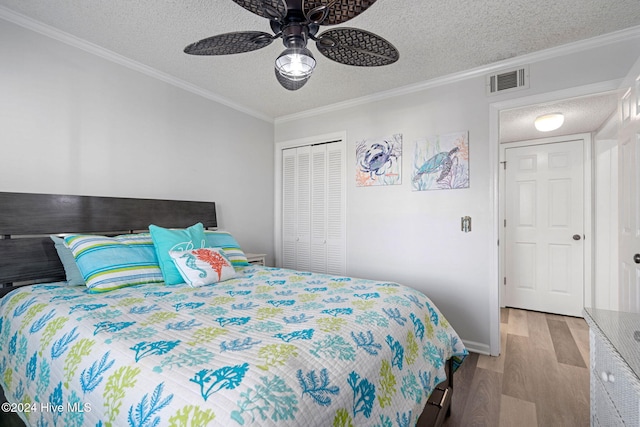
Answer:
(466, 223)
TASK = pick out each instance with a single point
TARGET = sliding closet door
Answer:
(303, 215)
(313, 211)
(289, 222)
(319, 208)
(296, 208)
(336, 210)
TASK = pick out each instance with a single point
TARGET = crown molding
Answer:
(56, 34)
(542, 55)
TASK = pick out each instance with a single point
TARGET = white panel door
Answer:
(629, 220)
(544, 256)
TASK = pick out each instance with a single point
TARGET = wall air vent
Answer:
(508, 80)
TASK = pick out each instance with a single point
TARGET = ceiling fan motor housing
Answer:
(295, 35)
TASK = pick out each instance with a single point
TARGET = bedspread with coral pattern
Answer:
(269, 347)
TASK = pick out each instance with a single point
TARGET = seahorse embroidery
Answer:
(191, 263)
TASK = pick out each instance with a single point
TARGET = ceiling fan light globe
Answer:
(295, 63)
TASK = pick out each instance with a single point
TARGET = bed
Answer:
(268, 346)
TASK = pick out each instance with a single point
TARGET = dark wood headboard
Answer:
(27, 253)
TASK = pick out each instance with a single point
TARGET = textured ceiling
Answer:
(584, 114)
(435, 38)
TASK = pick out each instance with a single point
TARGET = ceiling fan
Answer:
(297, 21)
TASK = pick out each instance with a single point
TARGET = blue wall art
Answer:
(441, 162)
(379, 161)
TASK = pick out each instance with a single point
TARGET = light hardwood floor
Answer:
(540, 379)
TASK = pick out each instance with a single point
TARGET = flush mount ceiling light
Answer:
(297, 22)
(549, 122)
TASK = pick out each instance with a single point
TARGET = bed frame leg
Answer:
(450, 376)
(438, 406)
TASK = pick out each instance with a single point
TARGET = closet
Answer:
(313, 208)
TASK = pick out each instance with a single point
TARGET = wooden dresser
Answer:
(614, 339)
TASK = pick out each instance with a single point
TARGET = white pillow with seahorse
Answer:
(203, 266)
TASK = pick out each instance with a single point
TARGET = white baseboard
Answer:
(477, 347)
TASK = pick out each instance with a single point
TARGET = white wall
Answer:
(414, 238)
(74, 123)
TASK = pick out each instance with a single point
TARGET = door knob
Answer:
(636, 258)
(576, 237)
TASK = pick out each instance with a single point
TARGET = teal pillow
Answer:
(224, 240)
(108, 263)
(167, 239)
(74, 277)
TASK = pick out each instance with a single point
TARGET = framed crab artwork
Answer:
(378, 161)
(441, 162)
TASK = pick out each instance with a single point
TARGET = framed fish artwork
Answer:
(441, 162)
(379, 161)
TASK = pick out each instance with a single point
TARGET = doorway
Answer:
(543, 252)
(496, 128)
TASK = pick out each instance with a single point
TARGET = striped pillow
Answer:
(224, 240)
(108, 263)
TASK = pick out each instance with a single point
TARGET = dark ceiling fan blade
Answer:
(229, 43)
(352, 46)
(338, 11)
(290, 84)
(270, 9)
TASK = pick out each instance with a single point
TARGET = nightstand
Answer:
(256, 259)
